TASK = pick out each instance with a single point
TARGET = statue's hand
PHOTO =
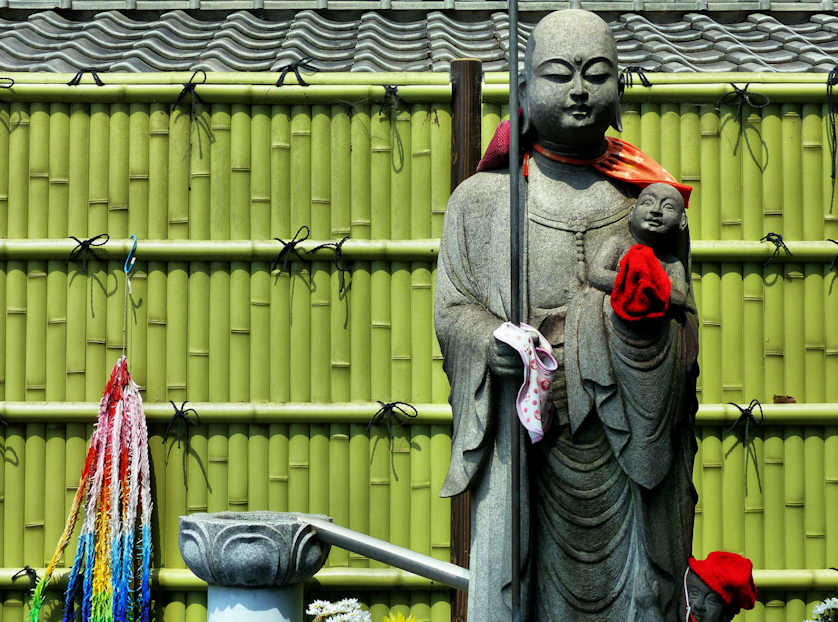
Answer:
(504, 360)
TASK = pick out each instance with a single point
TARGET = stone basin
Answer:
(251, 549)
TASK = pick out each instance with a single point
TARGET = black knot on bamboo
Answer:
(392, 103)
(180, 423)
(7, 83)
(341, 267)
(777, 240)
(189, 89)
(84, 248)
(745, 428)
(295, 66)
(387, 415)
(290, 248)
(831, 132)
(740, 97)
(76, 79)
(626, 77)
(28, 572)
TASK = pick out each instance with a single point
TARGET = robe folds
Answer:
(591, 508)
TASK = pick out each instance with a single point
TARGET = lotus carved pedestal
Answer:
(254, 562)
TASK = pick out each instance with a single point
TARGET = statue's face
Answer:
(572, 88)
(658, 212)
(705, 604)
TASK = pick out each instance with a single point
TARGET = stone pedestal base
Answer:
(245, 604)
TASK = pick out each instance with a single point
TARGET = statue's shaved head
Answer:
(565, 33)
(570, 91)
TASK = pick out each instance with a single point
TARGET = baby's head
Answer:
(658, 215)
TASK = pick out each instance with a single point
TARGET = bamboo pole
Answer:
(400, 317)
(56, 338)
(321, 302)
(379, 249)
(795, 498)
(712, 508)
(340, 467)
(773, 485)
(698, 482)
(803, 414)
(360, 346)
(258, 460)
(14, 487)
(650, 130)
(219, 313)
(421, 335)
(239, 378)
(198, 308)
(381, 149)
(300, 372)
(77, 300)
(280, 308)
(5, 128)
(631, 123)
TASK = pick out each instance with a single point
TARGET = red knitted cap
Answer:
(729, 575)
(642, 288)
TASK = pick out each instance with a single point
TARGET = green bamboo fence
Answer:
(285, 369)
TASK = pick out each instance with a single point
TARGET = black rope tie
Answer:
(341, 267)
(831, 132)
(745, 427)
(189, 89)
(741, 97)
(28, 572)
(777, 240)
(288, 249)
(84, 249)
(387, 415)
(295, 66)
(180, 423)
(834, 259)
(76, 79)
(392, 103)
(626, 77)
(7, 83)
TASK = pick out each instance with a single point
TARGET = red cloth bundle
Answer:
(642, 287)
(729, 575)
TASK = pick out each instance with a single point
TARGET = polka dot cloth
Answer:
(533, 403)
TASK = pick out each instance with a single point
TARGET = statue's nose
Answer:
(577, 89)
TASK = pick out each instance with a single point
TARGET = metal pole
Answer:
(515, 230)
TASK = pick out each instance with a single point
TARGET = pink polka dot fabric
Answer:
(533, 404)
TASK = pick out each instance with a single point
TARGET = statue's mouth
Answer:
(579, 111)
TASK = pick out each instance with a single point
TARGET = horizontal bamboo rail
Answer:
(361, 412)
(172, 579)
(785, 93)
(225, 93)
(346, 92)
(397, 250)
(340, 78)
(502, 77)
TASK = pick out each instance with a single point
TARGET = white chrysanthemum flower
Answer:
(819, 609)
(347, 605)
(321, 608)
(831, 603)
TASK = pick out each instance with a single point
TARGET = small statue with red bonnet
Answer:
(718, 587)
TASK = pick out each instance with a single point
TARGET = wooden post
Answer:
(466, 75)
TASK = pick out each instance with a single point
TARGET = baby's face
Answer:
(659, 211)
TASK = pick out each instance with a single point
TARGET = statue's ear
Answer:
(524, 102)
(617, 116)
(683, 223)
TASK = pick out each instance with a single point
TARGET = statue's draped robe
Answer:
(608, 493)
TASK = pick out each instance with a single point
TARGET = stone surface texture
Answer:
(370, 40)
(607, 500)
(251, 549)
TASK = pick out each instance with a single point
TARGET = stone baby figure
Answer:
(655, 222)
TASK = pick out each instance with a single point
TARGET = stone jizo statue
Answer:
(607, 500)
(718, 587)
